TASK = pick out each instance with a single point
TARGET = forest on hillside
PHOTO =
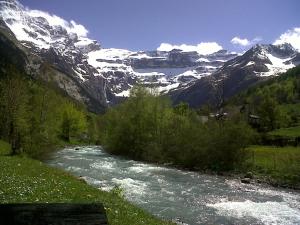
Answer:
(35, 118)
(147, 127)
(276, 101)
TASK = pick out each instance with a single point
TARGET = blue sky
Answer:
(145, 24)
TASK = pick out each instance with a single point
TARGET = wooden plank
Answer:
(52, 214)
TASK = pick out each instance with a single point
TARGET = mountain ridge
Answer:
(257, 64)
(107, 75)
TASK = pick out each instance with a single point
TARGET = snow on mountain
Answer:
(38, 27)
(267, 60)
(277, 65)
(258, 63)
(41, 32)
(67, 46)
(156, 69)
(121, 68)
(59, 45)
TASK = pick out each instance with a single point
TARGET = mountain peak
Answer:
(65, 45)
(39, 28)
(11, 4)
(286, 47)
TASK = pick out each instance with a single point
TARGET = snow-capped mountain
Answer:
(258, 63)
(99, 77)
(267, 60)
(49, 41)
(157, 69)
(41, 31)
(66, 45)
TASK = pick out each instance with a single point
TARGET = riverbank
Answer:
(26, 180)
(269, 165)
(277, 166)
(193, 197)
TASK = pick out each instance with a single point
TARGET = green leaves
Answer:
(147, 127)
(34, 117)
(132, 126)
(14, 110)
(73, 122)
(271, 100)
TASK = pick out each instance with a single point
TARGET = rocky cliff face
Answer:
(257, 64)
(104, 74)
(58, 51)
(53, 50)
(156, 69)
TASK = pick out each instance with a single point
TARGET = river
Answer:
(171, 194)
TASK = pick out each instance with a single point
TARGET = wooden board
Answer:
(52, 214)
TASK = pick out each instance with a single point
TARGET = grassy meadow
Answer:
(281, 164)
(24, 180)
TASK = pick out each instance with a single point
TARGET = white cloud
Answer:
(290, 36)
(244, 41)
(240, 41)
(79, 29)
(203, 48)
(53, 20)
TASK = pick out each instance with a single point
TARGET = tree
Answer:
(226, 144)
(269, 112)
(14, 110)
(73, 123)
(45, 119)
(147, 127)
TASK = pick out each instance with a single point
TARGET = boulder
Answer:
(246, 180)
(249, 175)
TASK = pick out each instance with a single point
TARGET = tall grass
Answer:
(281, 163)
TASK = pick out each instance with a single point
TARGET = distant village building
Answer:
(253, 119)
(219, 116)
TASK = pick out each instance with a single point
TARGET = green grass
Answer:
(282, 164)
(287, 132)
(290, 107)
(24, 180)
(4, 148)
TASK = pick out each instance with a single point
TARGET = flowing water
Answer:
(190, 197)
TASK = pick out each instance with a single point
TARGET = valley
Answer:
(202, 131)
(103, 77)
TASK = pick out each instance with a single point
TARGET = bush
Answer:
(146, 127)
